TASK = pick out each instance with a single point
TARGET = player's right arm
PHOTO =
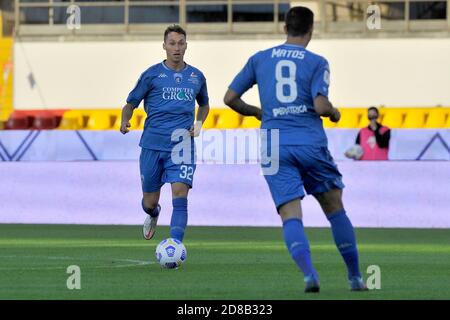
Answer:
(127, 114)
(234, 101)
(241, 83)
(135, 97)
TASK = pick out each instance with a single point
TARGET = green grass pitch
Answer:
(222, 263)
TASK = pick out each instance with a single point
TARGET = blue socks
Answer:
(178, 222)
(151, 212)
(298, 246)
(345, 240)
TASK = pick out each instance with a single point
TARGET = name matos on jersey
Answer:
(178, 94)
(287, 53)
(283, 111)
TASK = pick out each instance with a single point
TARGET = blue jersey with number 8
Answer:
(289, 77)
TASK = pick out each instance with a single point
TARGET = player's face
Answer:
(175, 45)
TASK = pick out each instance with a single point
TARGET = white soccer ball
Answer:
(355, 152)
(171, 253)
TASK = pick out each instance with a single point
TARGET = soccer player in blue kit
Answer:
(293, 89)
(169, 90)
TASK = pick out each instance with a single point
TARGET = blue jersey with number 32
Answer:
(289, 77)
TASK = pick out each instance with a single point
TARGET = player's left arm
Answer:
(319, 92)
(203, 110)
(202, 114)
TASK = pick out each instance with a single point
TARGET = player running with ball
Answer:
(169, 90)
(293, 89)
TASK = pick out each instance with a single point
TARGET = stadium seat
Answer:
(228, 119)
(437, 117)
(350, 118)
(250, 123)
(137, 121)
(44, 120)
(99, 120)
(211, 120)
(71, 120)
(18, 121)
(447, 122)
(415, 118)
(392, 117)
(364, 120)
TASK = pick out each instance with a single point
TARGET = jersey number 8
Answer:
(286, 81)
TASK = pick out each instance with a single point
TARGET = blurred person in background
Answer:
(372, 142)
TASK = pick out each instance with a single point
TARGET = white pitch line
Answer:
(131, 263)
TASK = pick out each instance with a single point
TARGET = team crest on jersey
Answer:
(178, 77)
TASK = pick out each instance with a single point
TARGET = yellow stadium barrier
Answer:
(447, 122)
(437, 117)
(364, 121)
(327, 123)
(137, 121)
(109, 119)
(99, 120)
(228, 119)
(250, 123)
(415, 118)
(392, 117)
(350, 118)
(211, 120)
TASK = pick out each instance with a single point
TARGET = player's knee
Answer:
(150, 202)
(330, 201)
(290, 210)
(180, 190)
(179, 193)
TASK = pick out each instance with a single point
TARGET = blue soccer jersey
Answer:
(289, 77)
(169, 101)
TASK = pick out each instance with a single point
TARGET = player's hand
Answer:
(335, 116)
(124, 127)
(194, 131)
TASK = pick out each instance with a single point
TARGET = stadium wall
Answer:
(407, 194)
(212, 146)
(391, 72)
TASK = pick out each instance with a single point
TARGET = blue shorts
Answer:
(303, 167)
(157, 168)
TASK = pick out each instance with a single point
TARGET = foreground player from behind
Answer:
(293, 89)
(169, 90)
